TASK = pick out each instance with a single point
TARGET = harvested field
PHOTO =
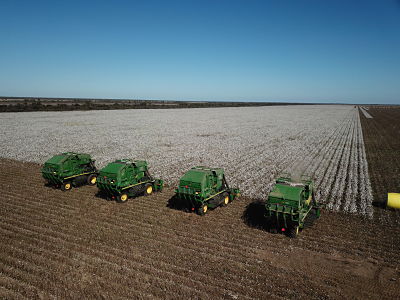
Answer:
(253, 145)
(382, 143)
(74, 245)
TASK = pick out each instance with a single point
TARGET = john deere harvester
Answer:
(291, 205)
(70, 169)
(202, 188)
(126, 178)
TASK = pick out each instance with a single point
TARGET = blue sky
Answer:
(300, 50)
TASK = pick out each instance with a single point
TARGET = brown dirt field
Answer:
(382, 146)
(75, 245)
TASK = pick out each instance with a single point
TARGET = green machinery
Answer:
(291, 205)
(126, 178)
(70, 169)
(202, 188)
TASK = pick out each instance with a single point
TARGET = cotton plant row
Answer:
(253, 145)
(351, 188)
(365, 183)
(341, 178)
(327, 177)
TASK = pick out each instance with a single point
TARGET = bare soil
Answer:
(382, 145)
(72, 244)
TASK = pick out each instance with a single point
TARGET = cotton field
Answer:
(253, 144)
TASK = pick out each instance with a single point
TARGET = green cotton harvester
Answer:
(126, 178)
(291, 205)
(202, 188)
(70, 169)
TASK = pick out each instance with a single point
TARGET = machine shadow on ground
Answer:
(51, 186)
(253, 215)
(178, 204)
(182, 205)
(103, 196)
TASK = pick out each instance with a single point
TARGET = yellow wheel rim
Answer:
(226, 200)
(205, 208)
(93, 180)
(149, 190)
(124, 197)
(67, 186)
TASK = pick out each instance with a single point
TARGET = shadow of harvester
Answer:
(253, 216)
(175, 203)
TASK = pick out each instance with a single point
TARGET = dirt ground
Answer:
(382, 146)
(75, 245)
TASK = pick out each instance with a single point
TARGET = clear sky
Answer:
(299, 50)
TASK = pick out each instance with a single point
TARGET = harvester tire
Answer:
(123, 197)
(225, 199)
(66, 186)
(202, 210)
(293, 232)
(92, 179)
(148, 189)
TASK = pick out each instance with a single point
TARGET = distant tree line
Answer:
(37, 104)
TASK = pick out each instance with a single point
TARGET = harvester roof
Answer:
(60, 158)
(56, 159)
(288, 192)
(194, 175)
(198, 174)
(116, 166)
(207, 170)
(113, 167)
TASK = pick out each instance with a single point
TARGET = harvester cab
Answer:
(291, 205)
(202, 188)
(70, 169)
(126, 178)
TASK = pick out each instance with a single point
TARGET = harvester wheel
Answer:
(148, 189)
(91, 180)
(123, 198)
(293, 232)
(225, 199)
(202, 209)
(66, 186)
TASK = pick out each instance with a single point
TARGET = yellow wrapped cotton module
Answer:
(393, 200)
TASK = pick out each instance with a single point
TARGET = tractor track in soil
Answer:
(74, 245)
